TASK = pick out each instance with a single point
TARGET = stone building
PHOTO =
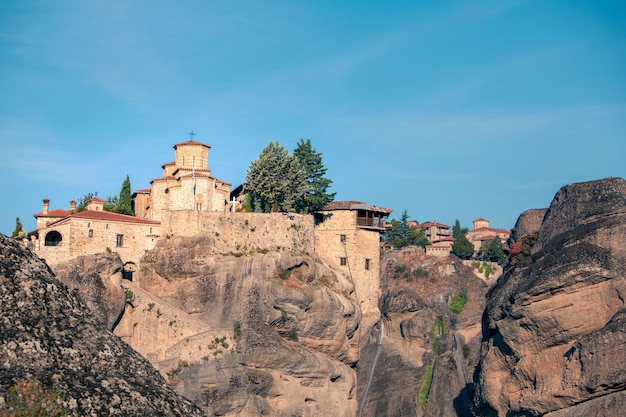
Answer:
(347, 236)
(65, 234)
(440, 237)
(482, 232)
(186, 184)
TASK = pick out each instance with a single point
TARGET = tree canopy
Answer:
(275, 181)
(493, 251)
(124, 204)
(19, 230)
(316, 195)
(401, 234)
(462, 247)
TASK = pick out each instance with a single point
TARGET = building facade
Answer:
(481, 232)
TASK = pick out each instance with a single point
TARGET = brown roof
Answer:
(96, 200)
(430, 224)
(490, 229)
(53, 213)
(143, 191)
(105, 215)
(355, 205)
(480, 219)
(191, 143)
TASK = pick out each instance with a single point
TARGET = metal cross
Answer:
(192, 135)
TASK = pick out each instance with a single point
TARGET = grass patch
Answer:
(425, 388)
(458, 302)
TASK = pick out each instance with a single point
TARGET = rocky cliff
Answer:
(52, 346)
(554, 340)
(421, 356)
(270, 333)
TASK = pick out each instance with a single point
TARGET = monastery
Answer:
(187, 200)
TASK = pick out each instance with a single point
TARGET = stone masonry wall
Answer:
(244, 232)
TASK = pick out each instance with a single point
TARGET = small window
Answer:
(119, 240)
(367, 264)
(343, 261)
(90, 232)
(107, 226)
(342, 238)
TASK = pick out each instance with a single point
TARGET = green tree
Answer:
(276, 181)
(462, 247)
(493, 251)
(125, 201)
(19, 230)
(316, 195)
(82, 202)
(402, 235)
(111, 202)
(457, 230)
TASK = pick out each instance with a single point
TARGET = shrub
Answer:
(458, 302)
(419, 273)
(284, 273)
(466, 350)
(237, 328)
(28, 398)
(292, 335)
(425, 388)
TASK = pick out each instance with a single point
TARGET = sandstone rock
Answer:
(527, 223)
(420, 330)
(97, 279)
(554, 340)
(47, 334)
(296, 339)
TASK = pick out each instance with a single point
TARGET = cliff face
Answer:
(267, 333)
(49, 337)
(554, 341)
(419, 334)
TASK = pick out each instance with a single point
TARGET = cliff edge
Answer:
(50, 341)
(554, 340)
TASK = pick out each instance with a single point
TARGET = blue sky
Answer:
(450, 110)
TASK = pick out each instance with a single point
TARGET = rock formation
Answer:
(269, 333)
(554, 335)
(422, 335)
(48, 337)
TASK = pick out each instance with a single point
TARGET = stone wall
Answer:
(136, 240)
(244, 232)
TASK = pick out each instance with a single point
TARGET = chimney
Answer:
(46, 205)
(72, 206)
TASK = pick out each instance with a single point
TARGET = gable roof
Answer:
(426, 225)
(53, 213)
(354, 205)
(104, 215)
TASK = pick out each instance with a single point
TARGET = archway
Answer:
(53, 238)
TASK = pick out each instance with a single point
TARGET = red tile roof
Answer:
(96, 200)
(430, 224)
(191, 143)
(355, 205)
(480, 219)
(143, 191)
(53, 213)
(490, 229)
(105, 215)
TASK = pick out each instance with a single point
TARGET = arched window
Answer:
(53, 238)
(90, 232)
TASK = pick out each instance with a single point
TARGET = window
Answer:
(90, 232)
(119, 240)
(367, 264)
(343, 261)
(342, 238)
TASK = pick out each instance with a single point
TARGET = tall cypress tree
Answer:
(316, 195)
(125, 201)
(275, 180)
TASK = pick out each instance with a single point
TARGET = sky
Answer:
(449, 109)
